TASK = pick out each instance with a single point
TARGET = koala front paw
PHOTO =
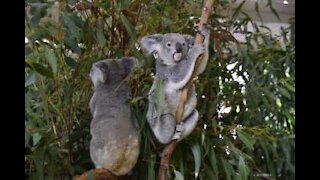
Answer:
(199, 48)
(203, 31)
(178, 131)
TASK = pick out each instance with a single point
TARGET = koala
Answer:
(115, 138)
(175, 60)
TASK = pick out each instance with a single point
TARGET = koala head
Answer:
(110, 71)
(170, 48)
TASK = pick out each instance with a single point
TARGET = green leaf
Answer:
(257, 10)
(246, 139)
(178, 175)
(42, 70)
(129, 28)
(26, 135)
(159, 97)
(166, 22)
(227, 168)
(70, 62)
(72, 2)
(136, 99)
(273, 10)
(100, 35)
(208, 172)
(151, 162)
(36, 137)
(288, 86)
(30, 79)
(213, 161)
(72, 31)
(91, 175)
(52, 59)
(284, 92)
(69, 21)
(243, 169)
(196, 151)
(67, 94)
(122, 4)
(238, 9)
(39, 12)
(38, 159)
(72, 44)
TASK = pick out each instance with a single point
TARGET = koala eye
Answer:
(168, 44)
(183, 44)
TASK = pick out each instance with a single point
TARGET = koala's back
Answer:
(115, 139)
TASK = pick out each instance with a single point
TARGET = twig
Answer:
(167, 152)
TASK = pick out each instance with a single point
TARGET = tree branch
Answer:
(167, 152)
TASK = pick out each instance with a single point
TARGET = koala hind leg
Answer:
(165, 128)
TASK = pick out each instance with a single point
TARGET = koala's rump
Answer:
(112, 148)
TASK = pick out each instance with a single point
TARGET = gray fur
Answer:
(115, 138)
(174, 67)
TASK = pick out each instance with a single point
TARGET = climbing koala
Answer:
(176, 56)
(115, 138)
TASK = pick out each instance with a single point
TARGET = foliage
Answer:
(254, 140)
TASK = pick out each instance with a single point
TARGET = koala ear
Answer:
(151, 43)
(129, 63)
(98, 73)
(189, 39)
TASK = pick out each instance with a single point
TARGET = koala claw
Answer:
(200, 48)
(179, 127)
(176, 135)
(203, 31)
(178, 131)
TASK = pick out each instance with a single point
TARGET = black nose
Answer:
(178, 47)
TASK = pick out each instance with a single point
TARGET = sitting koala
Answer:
(115, 138)
(176, 56)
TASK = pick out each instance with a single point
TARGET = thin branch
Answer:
(167, 152)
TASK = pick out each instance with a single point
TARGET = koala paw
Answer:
(203, 31)
(178, 131)
(199, 48)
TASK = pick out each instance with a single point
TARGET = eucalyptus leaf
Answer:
(151, 172)
(289, 86)
(129, 28)
(42, 70)
(91, 175)
(100, 35)
(178, 175)
(70, 62)
(196, 151)
(256, 7)
(227, 168)
(36, 137)
(243, 169)
(52, 59)
(122, 4)
(213, 161)
(284, 92)
(273, 10)
(238, 9)
(247, 140)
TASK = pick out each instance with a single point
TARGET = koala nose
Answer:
(178, 47)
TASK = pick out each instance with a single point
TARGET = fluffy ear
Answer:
(151, 43)
(98, 73)
(129, 63)
(189, 39)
